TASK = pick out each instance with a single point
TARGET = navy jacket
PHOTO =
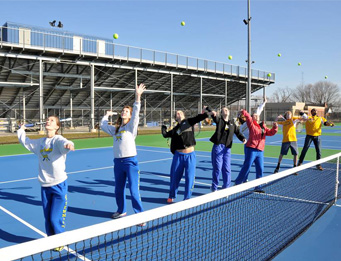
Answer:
(232, 129)
(183, 134)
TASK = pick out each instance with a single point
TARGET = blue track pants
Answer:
(54, 200)
(221, 162)
(251, 156)
(182, 162)
(127, 168)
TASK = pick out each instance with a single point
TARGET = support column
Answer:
(92, 98)
(226, 93)
(111, 107)
(201, 106)
(249, 74)
(41, 98)
(71, 123)
(145, 113)
(264, 110)
(172, 101)
(23, 107)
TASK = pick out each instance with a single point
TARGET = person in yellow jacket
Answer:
(313, 126)
(289, 141)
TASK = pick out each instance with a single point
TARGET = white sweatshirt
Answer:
(51, 156)
(124, 140)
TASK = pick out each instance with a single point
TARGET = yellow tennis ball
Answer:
(326, 77)
(183, 23)
(269, 75)
(299, 64)
(115, 36)
(230, 57)
(279, 55)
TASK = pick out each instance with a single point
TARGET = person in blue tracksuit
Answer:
(182, 146)
(125, 161)
(51, 152)
(221, 150)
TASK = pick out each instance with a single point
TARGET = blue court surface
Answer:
(91, 198)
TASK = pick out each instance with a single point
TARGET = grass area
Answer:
(156, 140)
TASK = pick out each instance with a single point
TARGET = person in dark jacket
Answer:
(182, 146)
(221, 150)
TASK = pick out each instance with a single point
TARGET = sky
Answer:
(302, 31)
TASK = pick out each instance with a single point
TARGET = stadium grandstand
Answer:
(50, 71)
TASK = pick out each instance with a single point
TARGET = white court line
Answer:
(82, 171)
(39, 232)
(30, 153)
(143, 162)
(296, 199)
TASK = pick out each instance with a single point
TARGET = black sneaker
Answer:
(259, 191)
(319, 168)
(276, 170)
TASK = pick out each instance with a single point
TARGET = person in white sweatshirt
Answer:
(51, 151)
(125, 160)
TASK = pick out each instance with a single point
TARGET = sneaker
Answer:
(142, 225)
(259, 191)
(170, 200)
(213, 189)
(276, 170)
(319, 167)
(118, 215)
(58, 249)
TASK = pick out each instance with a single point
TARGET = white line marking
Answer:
(40, 232)
(23, 222)
(82, 171)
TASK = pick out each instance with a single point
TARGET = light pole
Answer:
(248, 86)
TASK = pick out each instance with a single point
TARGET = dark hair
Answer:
(118, 123)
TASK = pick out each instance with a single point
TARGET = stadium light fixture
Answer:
(60, 25)
(53, 23)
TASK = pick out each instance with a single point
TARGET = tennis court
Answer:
(91, 198)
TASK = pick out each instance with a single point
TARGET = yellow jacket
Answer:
(289, 130)
(313, 125)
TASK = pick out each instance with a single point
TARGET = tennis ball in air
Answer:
(230, 57)
(279, 55)
(299, 64)
(115, 36)
(183, 23)
(269, 75)
(326, 77)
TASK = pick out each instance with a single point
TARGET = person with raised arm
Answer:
(221, 150)
(51, 151)
(254, 148)
(125, 160)
(182, 146)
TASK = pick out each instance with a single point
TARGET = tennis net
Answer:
(231, 224)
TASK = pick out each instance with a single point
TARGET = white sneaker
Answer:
(118, 215)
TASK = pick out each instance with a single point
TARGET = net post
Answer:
(337, 178)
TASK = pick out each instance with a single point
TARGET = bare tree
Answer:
(282, 95)
(325, 92)
(303, 93)
(319, 93)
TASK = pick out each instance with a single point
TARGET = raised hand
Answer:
(110, 113)
(139, 90)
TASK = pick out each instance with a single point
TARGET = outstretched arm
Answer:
(261, 107)
(105, 126)
(139, 89)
